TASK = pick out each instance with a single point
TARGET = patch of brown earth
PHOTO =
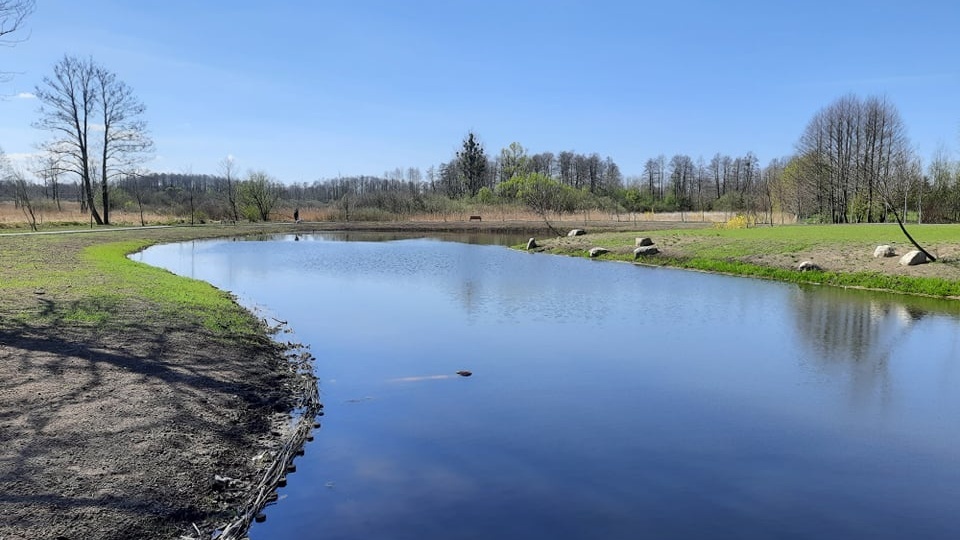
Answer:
(861, 259)
(111, 435)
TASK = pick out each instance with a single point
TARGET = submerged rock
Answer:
(577, 232)
(884, 251)
(644, 241)
(597, 251)
(809, 266)
(643, 251)
(913, 258)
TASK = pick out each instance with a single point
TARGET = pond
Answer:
(607, 400)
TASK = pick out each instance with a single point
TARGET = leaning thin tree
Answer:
(891, 205)
(885, 133)
(79, 101)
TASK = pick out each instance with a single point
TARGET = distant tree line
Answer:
(853, 163)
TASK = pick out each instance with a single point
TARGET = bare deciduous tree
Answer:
(66, 109)
(228, 167)
(125, 142)
(858, 155)
(23, 199)
(79, 99)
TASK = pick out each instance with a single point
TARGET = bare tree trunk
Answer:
(139, 196)
(24, 202)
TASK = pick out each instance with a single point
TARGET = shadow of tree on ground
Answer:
(107, 433)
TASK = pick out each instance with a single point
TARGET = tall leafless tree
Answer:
(228, 167)
(859, 153)
(125, 143)
(67, 108)
(80, 99)
(47, 167)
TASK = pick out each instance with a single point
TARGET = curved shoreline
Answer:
(134, 400)
(138, 403)
(121, 412)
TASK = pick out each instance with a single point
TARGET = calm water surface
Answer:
(607, 401)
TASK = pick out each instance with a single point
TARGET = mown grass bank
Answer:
(88, 279)
(845, 252)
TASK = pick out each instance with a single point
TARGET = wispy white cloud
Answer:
(26, 95)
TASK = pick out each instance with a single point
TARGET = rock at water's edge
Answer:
(644, 241)
(645, 250)
(808, 266)
(597, 251)
(577, 232)
(532, 243)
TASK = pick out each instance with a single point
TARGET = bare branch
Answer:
(12, 15)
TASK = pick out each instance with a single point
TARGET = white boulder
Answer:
(913, 258)
(884, 251)
(643, 251)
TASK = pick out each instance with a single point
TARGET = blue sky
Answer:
(310, 90)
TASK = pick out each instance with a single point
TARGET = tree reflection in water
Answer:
(857, 334)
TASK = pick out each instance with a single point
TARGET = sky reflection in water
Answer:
(608, 401)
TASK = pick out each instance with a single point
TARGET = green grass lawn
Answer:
(787, 239)
(87, 279)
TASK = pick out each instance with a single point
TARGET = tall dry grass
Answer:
(70, 214)
(48, 215)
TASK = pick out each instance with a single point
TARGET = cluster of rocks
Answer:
(644, 248)
(911, 258)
